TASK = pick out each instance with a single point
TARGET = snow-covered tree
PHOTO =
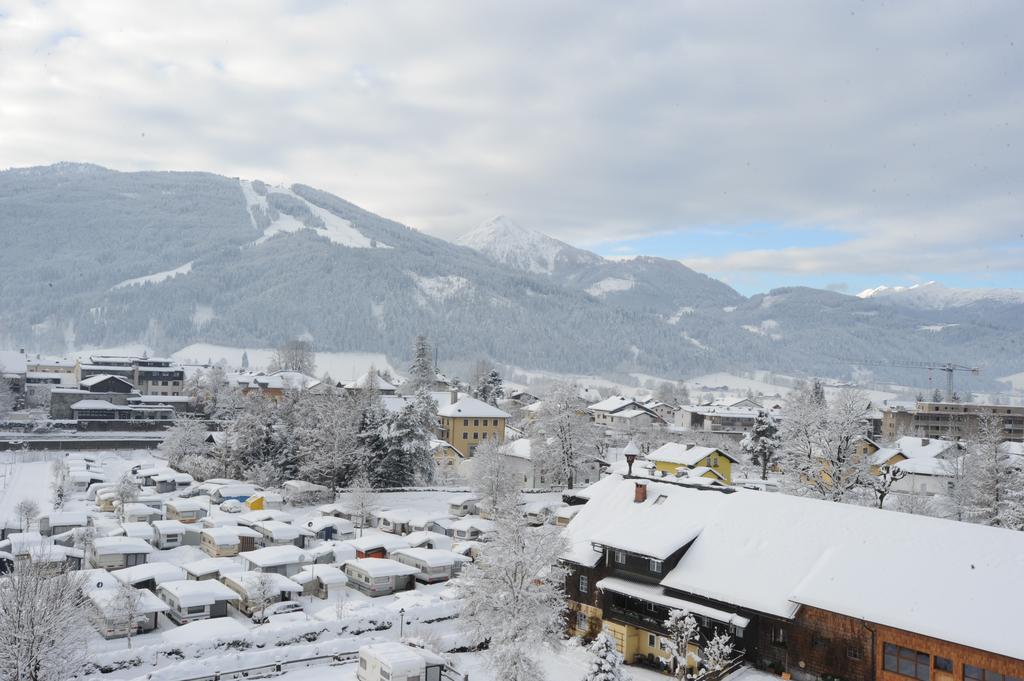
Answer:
(605, 661)
(682, 630)
(44, 632)
(819, 444)
(568, 439)
(881, 484)
(245, 360)
(126, 608)
(493, 477)
(717, 653)
(295, 355)
(261, 592)
(512, 597)
(993, 498)
(936, 395)
(328, 441)
(60, 483)
(26, 511)
(362, 500)
(125, 492)
(761, 444)
(7, 397)
(421, 371)
(186, 436)
(489, 388)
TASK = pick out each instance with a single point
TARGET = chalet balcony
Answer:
(636, 617)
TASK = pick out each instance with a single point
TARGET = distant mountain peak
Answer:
(934, 295)
(506, 241)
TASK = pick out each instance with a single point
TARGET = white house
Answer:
(380, 576)
(434, 565)
(191, 600)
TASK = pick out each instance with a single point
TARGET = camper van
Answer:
(392, 661)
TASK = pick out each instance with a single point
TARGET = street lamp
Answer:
(401, 623)
(630, 458)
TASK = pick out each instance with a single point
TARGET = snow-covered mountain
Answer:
(933, 295)
(508, 243)
(641, 283)
(170, 259)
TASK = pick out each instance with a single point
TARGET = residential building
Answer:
(467, 423)
(623, 413)
(950, 420)
(719, 419)
(791, 579)
(151, 375)
(674, 457)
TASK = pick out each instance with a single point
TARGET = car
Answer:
(273, 609)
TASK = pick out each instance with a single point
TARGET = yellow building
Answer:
(707, 462)
(470, 422)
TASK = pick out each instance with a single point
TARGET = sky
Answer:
(834, 144)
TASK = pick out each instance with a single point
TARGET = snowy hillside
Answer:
(933, 295)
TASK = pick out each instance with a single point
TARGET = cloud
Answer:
(899, 126)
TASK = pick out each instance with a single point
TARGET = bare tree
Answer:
(566, 439)
(295, 355)
(43, 628)
(126, 608)
(261, 593)
(363, 500)
(26, 511)
(126, 491)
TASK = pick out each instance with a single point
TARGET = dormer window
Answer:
(620, 557)
(656, 566)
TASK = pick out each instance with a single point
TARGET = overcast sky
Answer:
(834, 144)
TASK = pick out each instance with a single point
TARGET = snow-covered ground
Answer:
(154, 278)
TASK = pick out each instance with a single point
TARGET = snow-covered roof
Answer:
(918, 447)
(12, 362)
(135, 508)
(186, 505)
(252, 517)
(363, 381)
(225, 535)
(433, 557)
(520, 449)
(401, 660)
(479, 524)
(772, 552)
(328, 574)
(159, 572)
(464, 498)
(105, 601)
(247, 580)
(683, 454)
(925, 466)
(104, 546)
(140, 529)
(421, 537)
(655, 594)
(340, 550)
(98, 404)
(204, 631)
(340, 524)
(191, 593)
(199, 568)
(380, 567)
(75, 518)
(277, 530)
(99, 378)
(470, 407)
(377, 541)
(613, 404)
(276, 555)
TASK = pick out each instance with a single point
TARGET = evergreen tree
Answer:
(606, 663)
(422, 371)
(761, 444)
(818, 392)
(936, 395)
(490, 388)
(245, 360)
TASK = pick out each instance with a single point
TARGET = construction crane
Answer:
(946, 367)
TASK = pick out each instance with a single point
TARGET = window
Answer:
(362, 662)
(495, 421)
(582, 621)
(853, 652)
(907, 662)
(620, 557)
(656, 566)
(476, 422)
(972, 673)
(942, 664)
(476, 436)
(485, 435)
(196, 610)
(584, 584)
(650, 640)
(778, 635)
(465, 422)
(465, 436)
(650, 606)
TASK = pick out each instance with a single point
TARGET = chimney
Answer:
(925, 442)
(453, 395)
(640, 493)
